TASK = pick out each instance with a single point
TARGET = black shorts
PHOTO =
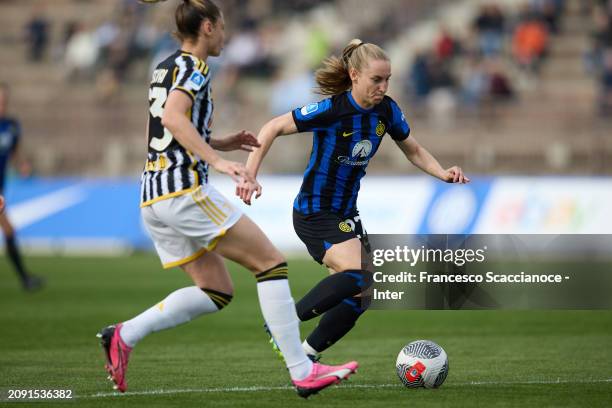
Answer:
(321, 230)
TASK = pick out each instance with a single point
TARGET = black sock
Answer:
(13, 254)
(336, 323)
(331, 291)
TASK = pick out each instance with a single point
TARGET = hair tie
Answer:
(345, 59)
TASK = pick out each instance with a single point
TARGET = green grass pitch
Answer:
(497, 358)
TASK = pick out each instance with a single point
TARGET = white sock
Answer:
(179, 307)
(278, 309)
(308, 349)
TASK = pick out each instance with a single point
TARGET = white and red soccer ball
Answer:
(422, 363)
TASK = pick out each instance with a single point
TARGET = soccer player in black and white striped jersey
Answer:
(192, 225)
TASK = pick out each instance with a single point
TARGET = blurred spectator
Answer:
(37, 34)
(550, 13)
(490, 26)
(244, 51)
(441, 74)
(601, 38)
(82, 51)
(602, 35)
(500, 88)
(474, 85)
(599, 57)
(118, 44)
(605, 98)
(446, 46)
(529, 43)
(485, 82)
(117, 54)
(420, 81)
(70, 29)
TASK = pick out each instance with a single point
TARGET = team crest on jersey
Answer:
(196, 80)
(380, 129)
(308, 109)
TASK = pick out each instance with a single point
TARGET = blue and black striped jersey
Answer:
(9, 138)
(345, 138)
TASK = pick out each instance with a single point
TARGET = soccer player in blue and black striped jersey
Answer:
(10, 133)
(348, 129)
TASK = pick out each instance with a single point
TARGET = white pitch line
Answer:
(260, 389)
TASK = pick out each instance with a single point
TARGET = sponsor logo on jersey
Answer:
(359, 156)
(380, 129)
(362, 149)
(308, 109)
(347, 134)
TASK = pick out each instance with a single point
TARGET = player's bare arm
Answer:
(421, 158)
(175, 120)
(243, 140)
(279, 126)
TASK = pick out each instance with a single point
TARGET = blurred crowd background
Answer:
(496, 86)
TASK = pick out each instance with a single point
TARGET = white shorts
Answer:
(183, 228)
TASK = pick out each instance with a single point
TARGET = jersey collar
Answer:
(356, 105)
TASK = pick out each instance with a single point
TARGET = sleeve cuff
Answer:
(185, 91)
(298, 124)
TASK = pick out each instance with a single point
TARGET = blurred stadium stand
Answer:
(83, 108)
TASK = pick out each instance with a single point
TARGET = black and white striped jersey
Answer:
(171, 170)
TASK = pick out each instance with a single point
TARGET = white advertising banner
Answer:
(387, 205)
(555, 205)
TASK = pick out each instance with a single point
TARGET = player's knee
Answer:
(341, 264)
(362, 277)
(220, 299)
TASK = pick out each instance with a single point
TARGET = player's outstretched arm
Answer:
(176, 121)
(243, 140)
(279, 126)
(420, 157)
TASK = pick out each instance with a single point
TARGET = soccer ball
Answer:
(422, 363)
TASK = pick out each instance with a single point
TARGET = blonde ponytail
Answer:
(333, 77)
